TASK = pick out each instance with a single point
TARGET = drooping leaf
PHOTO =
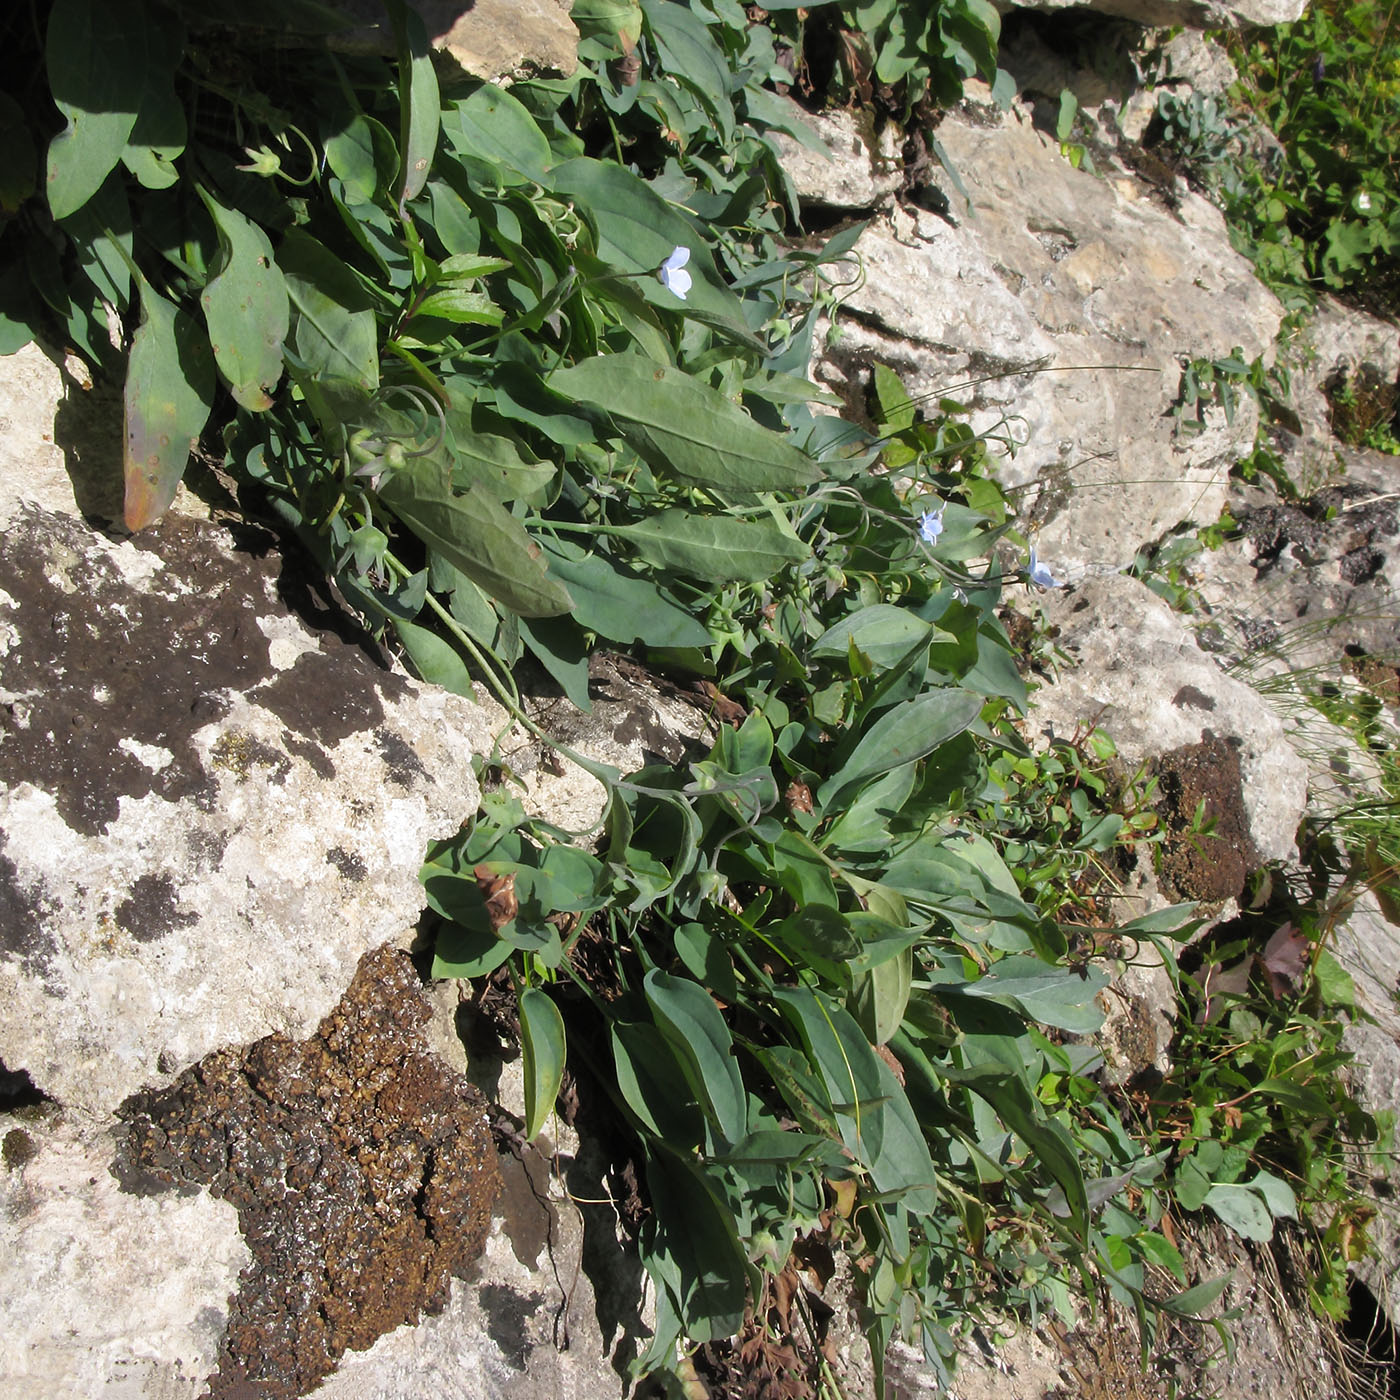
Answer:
(96, 56)
(246, 308)
(1243, 1210)
(477, 535)
(542, 1048)
(335, 333)
(168, 395)
(617, 604)
(418, 100)
(717, 548)
(905, 732)
(689, 1019)
(695, 1232)
(685, 429)
(159, 134)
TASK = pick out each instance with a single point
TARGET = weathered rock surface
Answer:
(362, 1170)
(1062, 306)
(1135, 669)
(864, 169)
(104, 1293)
(492, 39)
(207, 811)
(1198, 14)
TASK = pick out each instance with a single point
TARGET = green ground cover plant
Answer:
(1306, 163)
(525, 372)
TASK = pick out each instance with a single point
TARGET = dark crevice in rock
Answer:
(362, 1169)
(17, 1090)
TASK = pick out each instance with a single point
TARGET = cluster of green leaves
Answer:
(429, 323)
(830, 1009)
(1322, 207)
(1257, 1105)
(908, 51)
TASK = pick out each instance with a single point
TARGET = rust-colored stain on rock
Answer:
(362, 1169)
(1212, 864)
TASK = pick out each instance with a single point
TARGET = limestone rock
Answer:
(362, 1169)
(492, 39)
(863, 170)
(101, 1292)
(1136, 670)
(1062, 306)
(208, 810)
(1196, 14)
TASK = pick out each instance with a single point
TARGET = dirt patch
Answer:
(1206, 853)
(362, 1169)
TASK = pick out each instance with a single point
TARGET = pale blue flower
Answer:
(673, 275)
(931, 524)
(1041, 575)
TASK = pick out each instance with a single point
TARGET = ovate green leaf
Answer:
(542, 1049)
(169, 392)
(685, 429)
(246, 308)
(96, 56)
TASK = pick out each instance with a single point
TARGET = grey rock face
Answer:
(1062, 306)
(207, 811)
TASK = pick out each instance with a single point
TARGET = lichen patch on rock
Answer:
(362, 1169)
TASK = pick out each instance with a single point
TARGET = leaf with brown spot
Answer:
(169, 392)
(499, 893)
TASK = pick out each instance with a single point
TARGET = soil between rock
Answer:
(362, 1169)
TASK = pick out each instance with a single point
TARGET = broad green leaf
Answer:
(685, 429)
(1192, 1302)
(905, 732)
(879, 996)
(435, 658)
(649, 1076)
(542, 1050)
(246, 308)
(849, 1069)
(865, 824)
(168, 395)
(884, 633)
(499, 464)
(903, 1167)
(619, 605)
(1277, 1193)
(695, 1232)
(1054, 996)
(468, 953)
(477, 535)
(159, 135)
(618, 22)
(692, 1023)
(563, 651)
(418, 100)
(1243, 1210)
(716, 548)
(493, 125)
(335, 333)
(96, 56)
(358, 154)
(460, 306)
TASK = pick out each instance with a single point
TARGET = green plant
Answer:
(524, 371)
(1257, 1108)
(1320, 207)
